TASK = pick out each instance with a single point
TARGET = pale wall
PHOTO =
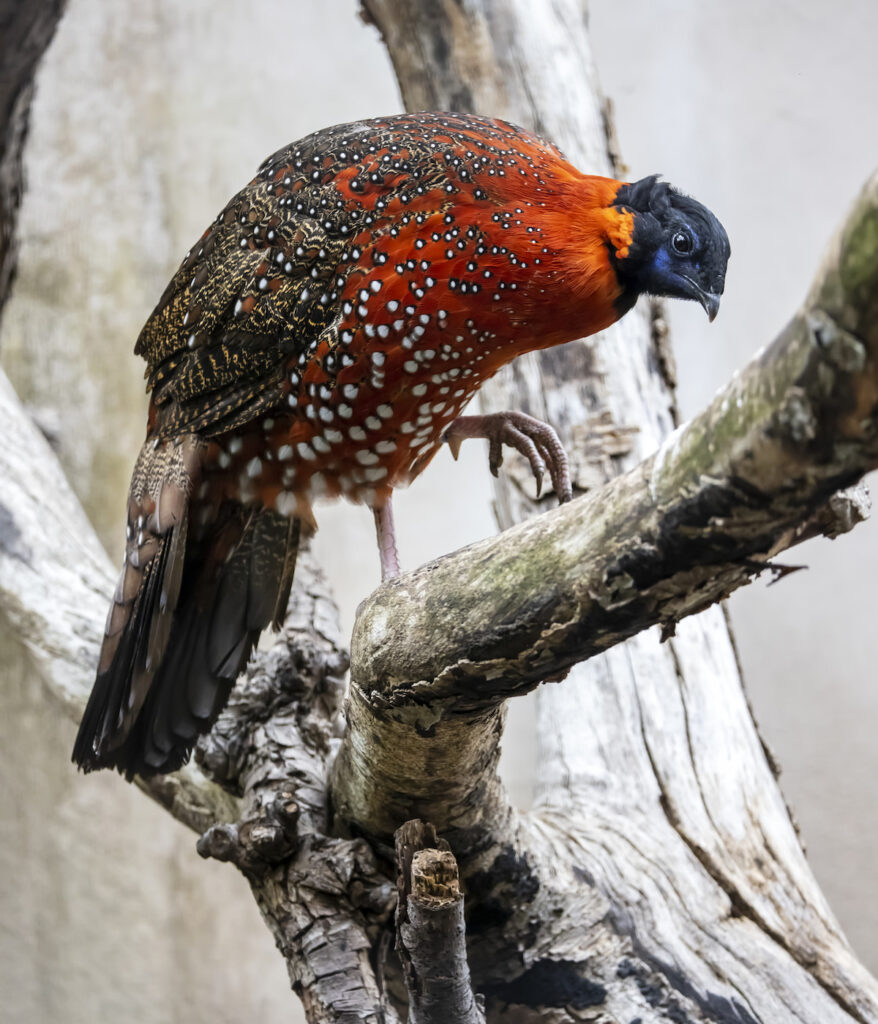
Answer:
(148, 117)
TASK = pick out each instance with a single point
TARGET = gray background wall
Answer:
(148, 116)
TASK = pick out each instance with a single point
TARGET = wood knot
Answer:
(256, 843)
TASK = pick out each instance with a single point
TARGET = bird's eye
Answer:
(682, 243)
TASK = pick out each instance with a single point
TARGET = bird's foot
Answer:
(535, 440)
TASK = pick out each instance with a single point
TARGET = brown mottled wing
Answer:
(141, 616)
(253, 294)
(199, 584)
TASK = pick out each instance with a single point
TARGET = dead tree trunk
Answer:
(659, 876)
(25, 32)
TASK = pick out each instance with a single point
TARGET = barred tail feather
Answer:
(186, 615)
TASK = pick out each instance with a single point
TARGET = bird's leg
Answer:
(537, 442)
(386, 540)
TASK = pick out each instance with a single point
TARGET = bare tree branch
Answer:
(431, 935)
(650, 749)
(660, 877)
(325, 899)
(723, 495)
(271, 746)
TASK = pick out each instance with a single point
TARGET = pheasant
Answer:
(320, 341)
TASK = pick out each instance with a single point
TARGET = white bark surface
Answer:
(56, 584)
(146, 118)
(752, 124)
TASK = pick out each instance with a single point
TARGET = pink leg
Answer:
(386, 541)
(536, 441)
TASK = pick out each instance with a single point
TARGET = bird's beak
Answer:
(710, 301)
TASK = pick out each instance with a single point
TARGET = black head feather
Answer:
(678, 248)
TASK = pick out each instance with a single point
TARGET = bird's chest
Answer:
(379, 419)
(420, 323)
(366, 413)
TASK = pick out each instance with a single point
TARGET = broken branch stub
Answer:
(431, 933)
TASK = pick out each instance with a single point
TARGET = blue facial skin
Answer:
(679, 276)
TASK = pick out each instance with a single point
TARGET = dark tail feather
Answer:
(213, 641)
(181, 629)
(114, 692)
(139, 622)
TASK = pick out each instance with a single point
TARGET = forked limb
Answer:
(535, 440)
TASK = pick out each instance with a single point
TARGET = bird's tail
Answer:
(197, 587)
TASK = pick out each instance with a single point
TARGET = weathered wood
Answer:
(55, 587)
(270, 749)
(26, 29)
(660, 877)
(323, 898)
(430, 929)
(743, 481)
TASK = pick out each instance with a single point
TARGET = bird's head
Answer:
(677, 248)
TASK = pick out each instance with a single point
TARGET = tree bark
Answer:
(659, 876)
(56, 584)
(26, 29)
(568, 904)
(656, 741)
(324, 898)
(430, 929)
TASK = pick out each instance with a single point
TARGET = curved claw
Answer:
(495, 455)
(535, 440)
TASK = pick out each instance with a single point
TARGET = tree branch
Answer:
(271, 746)
(691, 897)
(431, 935)
(325, 899)
(654, 881)
(25, 32)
